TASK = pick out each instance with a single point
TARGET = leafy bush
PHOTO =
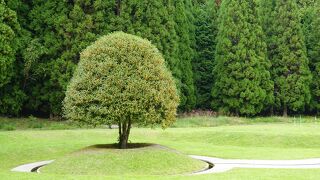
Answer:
(8, 127)
(121, 79)
(34, 123)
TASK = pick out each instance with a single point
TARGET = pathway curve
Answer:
(223, 165)
(32, 167)
(219, 165)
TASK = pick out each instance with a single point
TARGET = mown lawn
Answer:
(277, 140)
(109, 160)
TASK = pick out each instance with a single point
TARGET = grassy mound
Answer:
(139, 159)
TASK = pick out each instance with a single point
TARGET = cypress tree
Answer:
(305, 5)
(242, 82)
(8, 26)
(64, 28)
(287, 52)
(312, 31)
(48, 21)
(11, 96)
(206, 32)
(185, 30)
(152, 20)
(168, 25)
(79, 31)
(61, 30)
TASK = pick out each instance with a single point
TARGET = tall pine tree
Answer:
(168, 25)
(206, 31)
(312, 32)
(152, 20)
(8, 28)
(48, 21)
(61, 29)
(11, 95)
(185, 30)
(242, 84)
(287, 52)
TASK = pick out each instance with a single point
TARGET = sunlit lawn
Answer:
(278, 140)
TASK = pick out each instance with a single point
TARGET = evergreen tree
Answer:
(47, 21)
(312, 32)
(61, 30)
(242, 82)
(159, 22)
(206, 32)
(185, 31)
(8, 27)
(287, 52)
(305, 5)
(152, 20)
(11, 96)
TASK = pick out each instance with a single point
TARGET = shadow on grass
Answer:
(116, 146)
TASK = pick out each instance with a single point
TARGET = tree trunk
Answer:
(124, 131)
(271, 111)
(218, 3)
(123, 142)
(285, 111)
(237, 114)
(51, 116)
(118, 7)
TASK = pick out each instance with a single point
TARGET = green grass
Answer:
(11, 124)
(108, 160)
(206, 121)
(260, 140)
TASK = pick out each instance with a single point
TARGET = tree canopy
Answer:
(42, 41)
(287, 53)
(122, 79)
(242, 83)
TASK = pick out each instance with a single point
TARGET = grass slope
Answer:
(108, 160)
(259, 141)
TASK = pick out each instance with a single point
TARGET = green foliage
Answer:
(312, 33)
(34, 123)
(185, 31)
(11, 99)
(41, 43)
(11, 96)
(287, 52)
(121, 78)
(168, 25)
(8, 127)
(305, 5)
(63, 28)
(8, 27)
(242, 82)
(206, 32)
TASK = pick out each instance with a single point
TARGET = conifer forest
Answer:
(234, 57)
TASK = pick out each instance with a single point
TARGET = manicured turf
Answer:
(108, 160)
(259, 141)
(11, 124)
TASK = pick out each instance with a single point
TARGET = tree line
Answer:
(233, 56)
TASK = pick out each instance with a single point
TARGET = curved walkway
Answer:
(32, 167)
(223, 165)
(219, 165)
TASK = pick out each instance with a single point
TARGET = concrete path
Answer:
(31, 167)
(223, 165)
(219, 165)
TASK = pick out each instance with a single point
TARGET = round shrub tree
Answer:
(121, 79)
